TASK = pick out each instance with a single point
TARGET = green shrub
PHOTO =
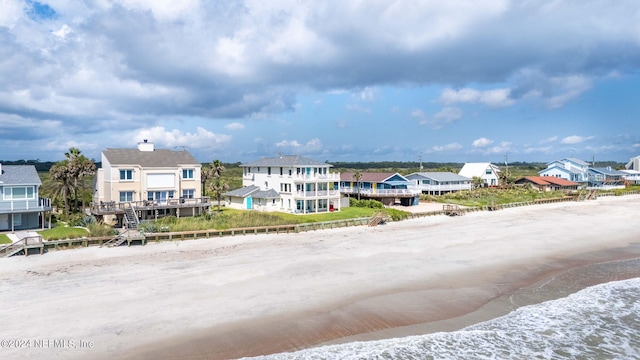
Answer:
(97, 230)
(372, 204)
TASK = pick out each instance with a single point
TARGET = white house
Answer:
(287, 183)
(632, 176)
(486, 171)
(437, 183)
(571, 169)
(633, 164)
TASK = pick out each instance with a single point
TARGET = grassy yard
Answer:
(4, 239)
(62, 232)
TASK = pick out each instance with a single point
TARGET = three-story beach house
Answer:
(21, 207)
(288, 183)
(147, 183)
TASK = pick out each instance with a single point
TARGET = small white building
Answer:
(486, 171)
(287, 183)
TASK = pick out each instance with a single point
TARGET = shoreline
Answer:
(252, 295)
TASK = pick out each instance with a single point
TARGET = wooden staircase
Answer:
(126, 236)
(22, 246)
(130, 218)
(378, 219)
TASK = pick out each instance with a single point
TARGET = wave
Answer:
(599, 322)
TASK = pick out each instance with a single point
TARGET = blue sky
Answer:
(448, 81)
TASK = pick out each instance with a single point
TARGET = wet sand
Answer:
(252, 295)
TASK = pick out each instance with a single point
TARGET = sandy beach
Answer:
(259, 294)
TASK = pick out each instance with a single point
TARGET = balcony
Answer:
(112, 207)
(381, 192)
(26, 205)
(314, 194)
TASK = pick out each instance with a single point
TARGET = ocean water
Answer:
(599, 322)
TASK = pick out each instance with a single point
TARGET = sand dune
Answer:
(258, 294)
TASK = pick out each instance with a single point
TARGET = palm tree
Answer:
(205, 175)
(60, 181)
(357, 176)
(216, 169)
(79, 167)
(477, 182)
(218, 186)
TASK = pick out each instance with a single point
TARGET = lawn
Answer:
(62, 232)
(4, 239)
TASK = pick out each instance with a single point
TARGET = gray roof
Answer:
(578, 161)
(439, 176)
(285, 161)
(607, 171)
(155, 158)
(243, 191)
(19, 175)
(254, 192)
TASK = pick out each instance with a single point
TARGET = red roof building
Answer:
(548, 183)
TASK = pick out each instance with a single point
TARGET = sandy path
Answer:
(247, 295)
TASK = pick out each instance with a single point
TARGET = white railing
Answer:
(444, 187)
(349, 190)
(42, 204)
(319, 193)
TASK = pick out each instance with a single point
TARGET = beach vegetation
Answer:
(489, 196)
(236, 219)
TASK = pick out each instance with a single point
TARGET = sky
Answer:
(334, 80)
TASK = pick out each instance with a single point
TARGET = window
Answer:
(187, 173)
(269, 171)
(126, 196)
(280, 171)
(19, 193)
(17, 220)
(488, 172)
(188, 193)
(126, 174)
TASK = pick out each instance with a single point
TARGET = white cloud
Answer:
(161, 137)
(492, 98)
(445, 116)
(568, 88)
(576, 139)
(448, 147)
(481, 142)
(311, 146)
(234, 126)
(549, 139)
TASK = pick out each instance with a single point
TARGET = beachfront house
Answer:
(21, 207)
(289, 183)
(605, 178)
(147, 183)
(488, 172)
(438, 183)
(385, 187)
(571, 169)
(631, 176)
(548, 183)
(633, 164)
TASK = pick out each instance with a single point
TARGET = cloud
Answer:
(448, 147)
(201, 138)
(445, 116)
(575, 139)
(481, 143)
(311, 146)
(492, 98)
(234, 126)
(549, 139)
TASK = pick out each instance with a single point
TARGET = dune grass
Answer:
(488, 196)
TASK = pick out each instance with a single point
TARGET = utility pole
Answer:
(420, 157)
